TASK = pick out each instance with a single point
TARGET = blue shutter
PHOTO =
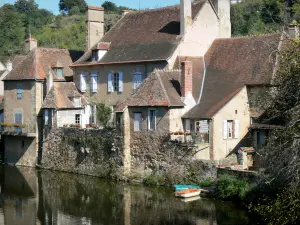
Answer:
(110, 87)
(120, 82)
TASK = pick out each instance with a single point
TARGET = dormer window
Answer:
(59, 72)
(77, 101)
(95, 55)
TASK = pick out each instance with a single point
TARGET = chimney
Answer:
(185, 15)
(294, 29)
(222, 8)
(49, 80)
(30, 44)
(186, 78)
(94, 26)
(9, 65)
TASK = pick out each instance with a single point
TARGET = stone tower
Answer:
(94, 26)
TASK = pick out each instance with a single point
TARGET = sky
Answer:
(52, 5)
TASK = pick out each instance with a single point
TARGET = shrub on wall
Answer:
(103, 113)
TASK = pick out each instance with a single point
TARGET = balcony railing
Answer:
(190, 137)
(17, 129)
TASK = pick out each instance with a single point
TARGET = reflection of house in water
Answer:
(19, 196)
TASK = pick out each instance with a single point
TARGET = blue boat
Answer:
(181, 187)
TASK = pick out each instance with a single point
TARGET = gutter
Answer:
(203, 80)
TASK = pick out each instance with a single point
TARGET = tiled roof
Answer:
(60, 96)
(230, 65)
(17, 59)
(256, 126)
(36, 64)
(2, 72)
(144, 36)
(161, 88)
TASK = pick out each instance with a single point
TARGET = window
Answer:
(137, 121)
(95, 55)
(137, 80)
(115, 82)
(94, 83)
(231, 129)
(19, 91)
(46, 116)
(18, 118)
(152, 120)
(83, 83)
(78, 119)
(77, 101)
(59, 72)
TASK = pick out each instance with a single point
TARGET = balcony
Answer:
(190, 138)
(17, 130)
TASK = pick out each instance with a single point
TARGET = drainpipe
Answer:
(203, 80)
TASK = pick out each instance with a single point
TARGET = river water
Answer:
(31, 197)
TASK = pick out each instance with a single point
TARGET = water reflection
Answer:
(35, 197)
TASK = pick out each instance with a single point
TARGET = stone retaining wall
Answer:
(85, 151)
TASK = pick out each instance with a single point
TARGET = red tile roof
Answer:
(60, 96)
(232, 64)
(144, 35)
(36, 64)
(158, 89)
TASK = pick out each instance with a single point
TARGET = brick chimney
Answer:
(30, 44)
(186, 78)
(185, 15)
(94, 26)
(9, 65)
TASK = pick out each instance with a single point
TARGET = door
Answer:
(137, 121)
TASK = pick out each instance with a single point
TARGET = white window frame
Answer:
(230, 134)
(116, 81)
(137, 80)
(94, 83)
(76, 121)
(149, 123)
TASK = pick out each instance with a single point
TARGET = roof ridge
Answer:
(163, 87)
(248, 36)
(162, 8)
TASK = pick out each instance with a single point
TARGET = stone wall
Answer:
(85, 151)
(102, 153)
(153, 154)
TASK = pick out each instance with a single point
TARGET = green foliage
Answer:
(207, 182)
(109, 6)
(229, 187)
(282, 210)
(68, 5)
(103, 113)
(154, 180)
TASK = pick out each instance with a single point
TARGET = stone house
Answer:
(25, 91)
(65, 106)
(236, 69)
(115, 65)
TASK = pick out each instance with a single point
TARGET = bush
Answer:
(103, 113)
(154, 180)
(229, 187)
(207, 182)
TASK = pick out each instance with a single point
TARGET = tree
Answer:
(67, 5)
(110, 6)
(103, 113)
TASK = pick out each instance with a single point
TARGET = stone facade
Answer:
(84, 151)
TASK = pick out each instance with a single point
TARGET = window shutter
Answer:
(134, 81)
(225, 130)
(236, 129)
(94, 83)
(110, 87)
(46, 117)
(187, 125)
(83, 83)
(120, 82)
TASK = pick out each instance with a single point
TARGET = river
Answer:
(32, 197)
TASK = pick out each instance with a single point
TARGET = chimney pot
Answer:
(9, 65)
(125, 12)
(186, 78)
(30, 44)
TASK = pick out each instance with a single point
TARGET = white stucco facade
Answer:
(237, 109)
(68, 116)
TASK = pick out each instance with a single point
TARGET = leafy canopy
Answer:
(67, 5)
